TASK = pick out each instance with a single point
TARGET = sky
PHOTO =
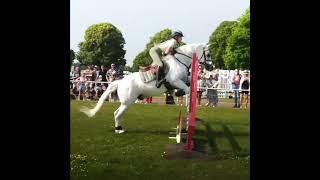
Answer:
(139, 20)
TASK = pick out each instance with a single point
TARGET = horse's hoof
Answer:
(87, 111)
(119, 131)
(140, 97)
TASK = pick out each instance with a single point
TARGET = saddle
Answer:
(148, 73)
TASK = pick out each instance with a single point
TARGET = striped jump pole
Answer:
(192, 106)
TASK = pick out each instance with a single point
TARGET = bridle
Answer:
(188, 67)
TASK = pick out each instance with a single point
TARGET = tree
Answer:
(237, 53)
(103, 45)
(218, 42)
(72, 56)
(143, 58)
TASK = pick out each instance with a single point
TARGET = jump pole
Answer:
(192, 106)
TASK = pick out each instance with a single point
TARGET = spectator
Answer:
(200, 84)
(94, 76)
(99, 79)
(111, 75)
(245, 88)
(81, 84)
(97, 72)
(74, 75)
(88, 71)
(212, 94)
(235, 86)
(98, 88)
(103, 73)
(72, 71)
(76, 72)
(112, 72)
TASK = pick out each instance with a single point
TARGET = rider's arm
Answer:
(170, 45)
(168, 51)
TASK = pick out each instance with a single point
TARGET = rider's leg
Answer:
(155, 54)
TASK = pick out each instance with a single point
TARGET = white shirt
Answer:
(111, 74)
(167, 44)
(213, 83)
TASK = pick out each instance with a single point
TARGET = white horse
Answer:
(131, 86)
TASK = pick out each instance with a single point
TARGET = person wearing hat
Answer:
(244, 88)
(164, 49)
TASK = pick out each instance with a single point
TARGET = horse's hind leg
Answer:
(118, 114)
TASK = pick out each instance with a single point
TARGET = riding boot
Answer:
(159, 77)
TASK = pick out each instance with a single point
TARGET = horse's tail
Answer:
(111, 88)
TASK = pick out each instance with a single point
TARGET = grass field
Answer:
(98, 153)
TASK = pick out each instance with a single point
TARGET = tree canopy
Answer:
(103, 45)
(218, 42)
(237, 53)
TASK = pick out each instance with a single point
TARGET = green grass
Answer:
(98, 153)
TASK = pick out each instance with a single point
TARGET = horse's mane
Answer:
(190, 48)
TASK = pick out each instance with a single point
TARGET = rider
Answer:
(163, 49)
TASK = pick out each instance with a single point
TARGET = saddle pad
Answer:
(148, 74)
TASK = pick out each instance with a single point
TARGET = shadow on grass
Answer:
(207, 137)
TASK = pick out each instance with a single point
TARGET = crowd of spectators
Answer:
(91, 82)
(210, 82)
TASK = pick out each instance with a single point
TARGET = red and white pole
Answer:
(192, 107)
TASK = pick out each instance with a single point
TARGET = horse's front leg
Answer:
(182, 85)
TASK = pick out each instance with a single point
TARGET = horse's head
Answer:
(189, 49)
